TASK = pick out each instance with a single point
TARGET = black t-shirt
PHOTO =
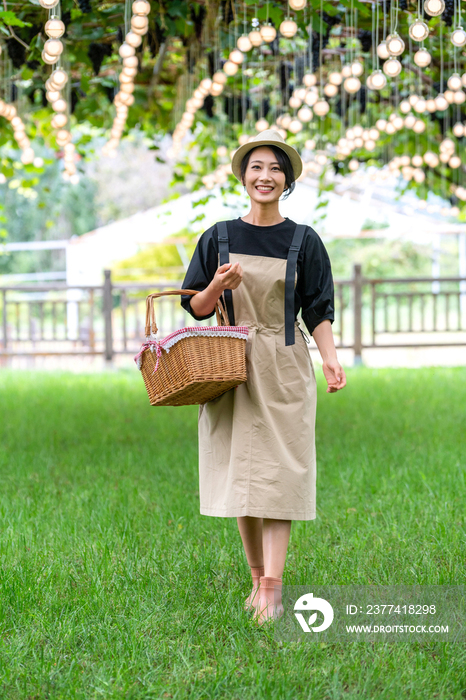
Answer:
(314, 294)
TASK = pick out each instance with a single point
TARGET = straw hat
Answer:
(269, 137)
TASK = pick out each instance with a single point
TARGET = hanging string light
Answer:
(124, 98)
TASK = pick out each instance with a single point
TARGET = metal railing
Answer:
(58, 319)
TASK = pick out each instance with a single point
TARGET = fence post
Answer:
(108, 303)
(357, 309)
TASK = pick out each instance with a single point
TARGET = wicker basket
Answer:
(192, 365)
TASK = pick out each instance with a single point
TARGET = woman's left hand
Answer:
(335, 375)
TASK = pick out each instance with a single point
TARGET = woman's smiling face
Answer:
(264, 179)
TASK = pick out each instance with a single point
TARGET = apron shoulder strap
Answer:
(289, 282)
(224, 254)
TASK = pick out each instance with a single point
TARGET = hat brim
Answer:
(292, 153)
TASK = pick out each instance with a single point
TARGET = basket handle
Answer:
(221, 313)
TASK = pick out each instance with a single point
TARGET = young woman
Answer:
(256, 442)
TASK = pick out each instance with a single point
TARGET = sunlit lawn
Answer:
(113, 585)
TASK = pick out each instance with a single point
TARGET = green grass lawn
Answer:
(114, 586)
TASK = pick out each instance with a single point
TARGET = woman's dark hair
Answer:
(284, 163)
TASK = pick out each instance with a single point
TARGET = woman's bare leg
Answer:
(275, 538)
(250, 530)
(251, 533)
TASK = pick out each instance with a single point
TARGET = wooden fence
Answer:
(57, 319)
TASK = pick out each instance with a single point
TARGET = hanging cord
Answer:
(320, 45)
(441, 57)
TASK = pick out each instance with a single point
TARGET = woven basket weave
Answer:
(195, 364)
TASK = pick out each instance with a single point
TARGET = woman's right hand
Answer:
(228, 276)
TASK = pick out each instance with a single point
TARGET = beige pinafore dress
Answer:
(257, 441)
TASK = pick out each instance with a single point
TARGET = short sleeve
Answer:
(201, 270)
(316, 283)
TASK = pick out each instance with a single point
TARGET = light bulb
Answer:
(458, 129)
(236, 56)
(126, 50)
(63, 136)
(459, 97)
(419, 175)
(392, 67)
(268, 33)
(374, 134)
(346, 71)
(398, 122)
(288, 28)
(395, 44)
(357, 68)
(390, 129)
(262, 124)
(419, 126)
(219, 77)
(417, 161)
(321, 108)
(454, 82)
(139, 23)
(49, 60)
(141, 7)
(285, 121)
(310, 80)
(404, 107)
(230, 68)
(244, 44)
(370, 145)
(441, 103)
(352, 85)
(295, 126)
(255, 38)
(418, 30)
(133, 39)
(378, 80)
(382, 51)
(422, 58)
(434, 8)
(410, 121)
(431, 106)
(294, 102)
(420, 106)
(205, 84)
(447, 145)
(381, 124)
(297, 4)
(334, 78)
(454, 162)
(458, 37)
(130, 62)
(48, 4)
(52, 95)
(353, 165)
(305, 114)
(59, 105)
(311, 98)
(54, 28)
(330, 90)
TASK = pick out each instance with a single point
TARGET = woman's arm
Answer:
(227, 276)
(333, 371)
